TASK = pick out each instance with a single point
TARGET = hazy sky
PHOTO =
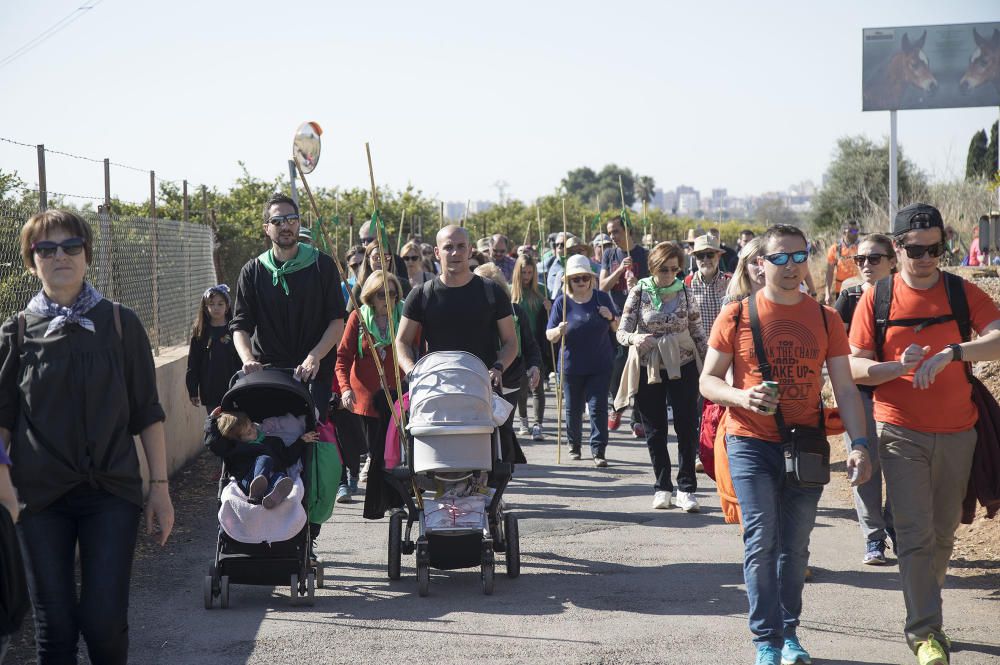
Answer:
(454, 96)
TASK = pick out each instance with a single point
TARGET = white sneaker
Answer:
(686, 502)
(523, 429)
(661, 500)
(699, 467)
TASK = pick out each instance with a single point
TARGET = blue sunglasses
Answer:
(781, 258)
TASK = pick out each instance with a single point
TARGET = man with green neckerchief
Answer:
(289, 309)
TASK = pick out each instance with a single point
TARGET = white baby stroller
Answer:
(452, 450)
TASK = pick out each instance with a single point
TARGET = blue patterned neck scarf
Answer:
(43, 306)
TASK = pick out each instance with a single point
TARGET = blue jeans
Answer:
(874, 517)
(105, 527)
(263, 466)
(777, 520)
(592, 390)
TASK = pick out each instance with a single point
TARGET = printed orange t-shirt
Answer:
(842, 256)
(947, 405)
(796, 346)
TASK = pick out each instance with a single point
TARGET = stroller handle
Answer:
(284, 370)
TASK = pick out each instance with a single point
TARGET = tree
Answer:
(645, 188)
(774, 211)
(857, 185)
(586, 185)
(976, 162)
(10, 183)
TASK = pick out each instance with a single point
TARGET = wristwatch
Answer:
(956, 351)
(860, 442)
(498, 366)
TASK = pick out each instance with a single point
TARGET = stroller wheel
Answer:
(224, 592)
(319, 574)
(395, 545)
(208, 592)
(513, 545)
(487, 570)
(293, 599)
(310, 589)
(423, 579)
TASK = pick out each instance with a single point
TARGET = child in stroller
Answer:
(259, 461)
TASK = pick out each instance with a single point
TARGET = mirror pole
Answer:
(291, 179)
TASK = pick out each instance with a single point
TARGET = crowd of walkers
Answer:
(729, 346)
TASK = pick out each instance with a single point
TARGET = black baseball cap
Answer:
(917, 216)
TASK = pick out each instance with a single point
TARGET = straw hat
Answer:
(578, 265)
(691, 236)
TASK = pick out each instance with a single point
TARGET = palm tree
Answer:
(644, 188)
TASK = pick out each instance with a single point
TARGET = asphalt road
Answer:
(605, 579)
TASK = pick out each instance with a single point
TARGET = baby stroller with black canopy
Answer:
(242, 557)
(451, 455)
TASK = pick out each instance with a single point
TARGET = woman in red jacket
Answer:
(359, 379)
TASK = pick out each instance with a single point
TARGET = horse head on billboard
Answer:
(908, 68)
(984, 65)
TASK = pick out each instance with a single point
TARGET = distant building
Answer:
(657, 201)
(454, 210)
(688, 203)
(482, 206)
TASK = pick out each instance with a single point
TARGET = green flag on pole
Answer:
(379, 226)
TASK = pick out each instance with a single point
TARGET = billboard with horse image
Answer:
(931, 67)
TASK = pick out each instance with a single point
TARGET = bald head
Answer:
(452, 232)
(452, 252)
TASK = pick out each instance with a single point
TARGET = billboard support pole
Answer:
(893, 165)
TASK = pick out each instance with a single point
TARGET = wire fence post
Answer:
(107, 185)
(43, 189)
(156, 262)
(350, 236)
(187, 204)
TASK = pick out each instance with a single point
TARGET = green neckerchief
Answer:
(656, 293)
(305, 257)
(367, 315)
(260, 436)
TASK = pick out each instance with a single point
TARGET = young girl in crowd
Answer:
(212, 358)
(526, 292)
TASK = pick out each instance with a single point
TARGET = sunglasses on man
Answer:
(781, 258)
(46, 249)
(278, 220)
(703, 256)
(918, 251)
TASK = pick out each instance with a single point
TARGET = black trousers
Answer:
(651, 404)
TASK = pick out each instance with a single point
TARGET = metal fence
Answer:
(157, 267)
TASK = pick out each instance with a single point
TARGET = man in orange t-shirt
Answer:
(840, 261)
(925, 414)
(799, 336)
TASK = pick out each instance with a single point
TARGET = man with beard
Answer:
(289, 309)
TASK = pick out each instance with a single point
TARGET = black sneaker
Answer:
(875, 555)
(574, 454)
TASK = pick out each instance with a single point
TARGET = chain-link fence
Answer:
(157, 267)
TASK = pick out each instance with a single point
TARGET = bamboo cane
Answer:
(385, 286)
(538, 215)
(442, 214)
(350, 293)
(399, 236)
(562, 344)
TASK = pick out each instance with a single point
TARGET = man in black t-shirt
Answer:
(458, 311)
(289, 309)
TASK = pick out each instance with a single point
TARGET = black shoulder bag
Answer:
(806, 449)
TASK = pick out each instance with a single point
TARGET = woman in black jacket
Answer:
(77, 381)
(525, 366)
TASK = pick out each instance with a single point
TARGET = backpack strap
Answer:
(881, 305)
(762, 363)
(116, 310)
(954, 286)
(22, 324)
